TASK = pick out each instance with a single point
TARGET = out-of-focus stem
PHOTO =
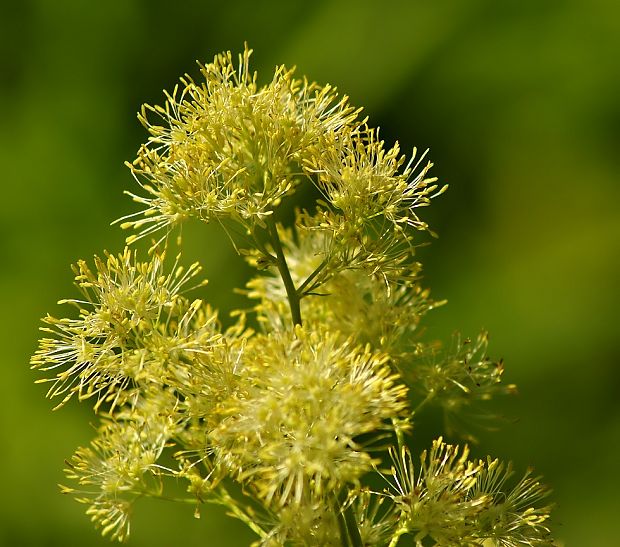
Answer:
(349, 531)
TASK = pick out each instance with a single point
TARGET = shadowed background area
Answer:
(518, 102)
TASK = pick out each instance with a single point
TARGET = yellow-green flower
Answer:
(121, 463)
(302, 411)
(456, 501)
(229, 148)
(133, 326)
(293, 430)
(351, 301)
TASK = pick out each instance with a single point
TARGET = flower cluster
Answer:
(457, 501)
(342, 298)
(292, 428)
(121, 463)
(303, 399)
(134, 327)
(229, 148)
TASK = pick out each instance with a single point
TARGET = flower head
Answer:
(456, 379)
(457, 501)
(134, 326)
(293, 430)
(373, 197)
(121, 463)
(229, 148)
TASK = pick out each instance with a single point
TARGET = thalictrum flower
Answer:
(294, 426)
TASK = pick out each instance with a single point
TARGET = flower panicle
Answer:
(457, 501)
(131, 320)
(121, 466)
(301, 409)
(227, 148)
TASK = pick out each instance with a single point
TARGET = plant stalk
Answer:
(291, 291)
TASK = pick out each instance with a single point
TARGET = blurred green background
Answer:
(518, 102)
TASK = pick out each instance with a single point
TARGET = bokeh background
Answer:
(519, 102)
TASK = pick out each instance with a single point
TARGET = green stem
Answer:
(396, 537)
(342, 527)
(225, 499)
(291, 291)
(349, 532)
(262, 248)
(317, 271)
(154, 495)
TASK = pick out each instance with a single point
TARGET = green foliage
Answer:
(301, 409)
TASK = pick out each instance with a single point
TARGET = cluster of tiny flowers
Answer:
(302, 400)
(133, 327)
(456, 501)
(229, 148)
(292, 428)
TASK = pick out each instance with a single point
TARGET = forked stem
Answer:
(291, 291)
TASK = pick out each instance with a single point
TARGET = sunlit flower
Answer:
(373, 197)
(121, 463)
(461, 502)
(229, 148)
(133, 325)
(300, 411)
(295, 426)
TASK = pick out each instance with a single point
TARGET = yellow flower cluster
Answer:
(456, 501)
(292, 429)
(134, 327)
(301, 401)
(229, 148)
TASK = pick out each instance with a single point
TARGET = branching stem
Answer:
(303, 289)
(291, 291)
